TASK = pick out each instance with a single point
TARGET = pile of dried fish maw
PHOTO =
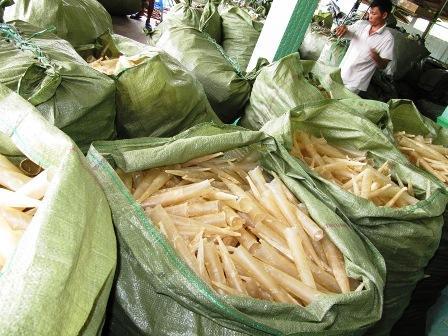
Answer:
(242, 235)
(20, 196)
(423, 153)
(353, 172)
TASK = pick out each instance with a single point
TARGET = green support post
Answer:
(296, 29)
(284, 29)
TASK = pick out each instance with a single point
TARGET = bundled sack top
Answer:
(172, 297)
(290, 82)
(404, 223)
(46, 71)
(78, 21)
(57, 251)
(156, 95)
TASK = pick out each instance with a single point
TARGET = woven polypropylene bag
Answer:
(283, 85)
(157, 97)
(181, 14)
(407, 237)
(211, 21)
(78, 21)
(312, 45)
(404, 116)
(59, 279)
(333, 53)
(226, 88)
(47, 71)
(240, 33)
(156, 292)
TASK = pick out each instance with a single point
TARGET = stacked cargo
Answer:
(319, 216)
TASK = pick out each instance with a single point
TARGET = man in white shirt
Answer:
(371, 47)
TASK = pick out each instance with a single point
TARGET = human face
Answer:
(376, 18)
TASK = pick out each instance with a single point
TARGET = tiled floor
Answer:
(133, 29)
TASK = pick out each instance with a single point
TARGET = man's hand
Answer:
(380, 62)
(341, 30)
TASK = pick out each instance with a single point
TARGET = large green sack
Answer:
(288, 83)
(333, 52)
(211, 21)
(157, 293)
(406, 237)
(47, 71)
(157, 97)
(404, 116)
(313, 44)
(59, 279)
(206, 19)
(226, 89)
(78, 21)
(121, 7)
(181, 14)
(240, 33)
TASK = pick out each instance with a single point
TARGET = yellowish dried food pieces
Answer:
(353, 172)
(111, 66)
(423, 153)
(241, 230)
(21, 192)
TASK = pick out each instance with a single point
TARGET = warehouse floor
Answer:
(133, 29)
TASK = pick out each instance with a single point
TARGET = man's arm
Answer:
(381, 63)
(341, 30)
(384, 55)
(347, 32)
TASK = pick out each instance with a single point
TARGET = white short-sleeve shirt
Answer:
(357, 67)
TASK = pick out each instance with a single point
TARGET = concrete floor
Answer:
(133, 29)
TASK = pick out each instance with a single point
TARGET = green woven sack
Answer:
(181, 14)
(240, 33)
(206, 19)
(288, 83)
(313, 44)
(333, 52)
(157, 97)
(47, 72)
(59, 279)
(211, 21)
(121, 7)
(170, 299)
(226, 87)
(78, 21)
(407, 237)
(404, 116)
